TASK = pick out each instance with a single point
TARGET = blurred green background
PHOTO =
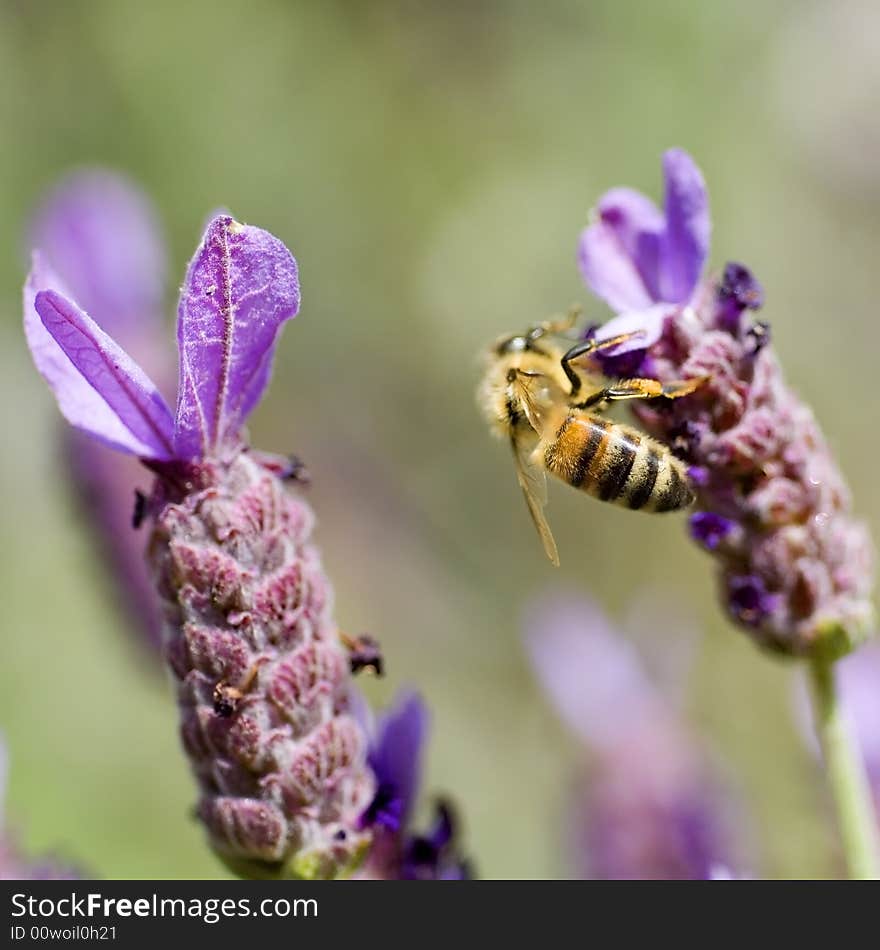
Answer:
(430, 165)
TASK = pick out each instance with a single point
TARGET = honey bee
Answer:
(535, 396)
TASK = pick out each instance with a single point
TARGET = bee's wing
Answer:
(533, 482)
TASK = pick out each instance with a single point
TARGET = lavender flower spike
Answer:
(100, 235)
(263, 682)
(796, 569)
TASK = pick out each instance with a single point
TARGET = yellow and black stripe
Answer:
(616, 463)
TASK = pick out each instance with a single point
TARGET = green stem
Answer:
(846, 776)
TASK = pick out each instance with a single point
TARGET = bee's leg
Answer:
(644, 389)
(560, 325)
(563, 323)
(585, 348)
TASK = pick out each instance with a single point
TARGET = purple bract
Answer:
(241, 286)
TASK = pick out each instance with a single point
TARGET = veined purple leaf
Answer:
(99, 388)
(241, 286)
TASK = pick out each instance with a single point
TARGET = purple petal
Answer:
(638, 225)
(99, 388)
(609, 271)
(636, 222)
(684, 247)
(647, 323)
(619, 253)
(396, 753)
(241, 286)
(102, 236)
(591, 675)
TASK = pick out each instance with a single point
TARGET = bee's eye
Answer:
(511, 375)
(516, 344)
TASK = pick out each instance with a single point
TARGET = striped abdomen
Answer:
(617, 463)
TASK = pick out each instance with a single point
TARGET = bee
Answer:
(227, 698)
(535, 396)
(364, 653)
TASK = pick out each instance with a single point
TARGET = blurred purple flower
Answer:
(396, 759)
(653, 805)
(100, 235)
(796, 567)
(14, 866)
(263, 681)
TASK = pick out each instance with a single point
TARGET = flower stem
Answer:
(846, 776)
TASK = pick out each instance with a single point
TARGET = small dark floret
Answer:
(739, 290)
(749, 601)
(434, 856)
(709, 529)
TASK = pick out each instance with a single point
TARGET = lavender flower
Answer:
(101, 237)
(653, 805)
(796, 568)
(396, 759)
(14, 866)
(263, 682)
